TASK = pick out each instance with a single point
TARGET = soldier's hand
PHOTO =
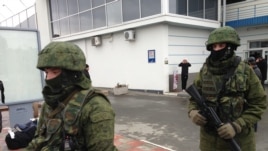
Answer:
(229, 130)
(197, 118)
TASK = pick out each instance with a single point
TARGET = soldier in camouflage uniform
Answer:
(74, 116)
(241, 103)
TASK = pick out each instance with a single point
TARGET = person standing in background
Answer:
(184, 73)
(253, 65)
(262, 64)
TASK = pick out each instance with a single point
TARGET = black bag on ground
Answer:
(23, 135)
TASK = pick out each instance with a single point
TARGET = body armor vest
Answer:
(231, 104)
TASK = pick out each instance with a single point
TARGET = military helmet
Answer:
(63, 55)
(223, 34)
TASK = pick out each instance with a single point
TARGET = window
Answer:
(211, 11)
(73, 16)
(54, 10)
(64, 27)
(99, 19)
(196, 8)
(55, 29)
(258, 44)
(182, 7)
(74, 24)
(85, 21)
(173, 6)
(114, 15)
(150, 7)
(72, 7)
(84, 5)
(131, 10)
(96, 3)
(62, 8)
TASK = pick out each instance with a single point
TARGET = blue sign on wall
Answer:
(151, 56)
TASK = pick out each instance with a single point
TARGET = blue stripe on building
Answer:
(248, 22)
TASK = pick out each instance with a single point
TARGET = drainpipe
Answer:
(224, 13)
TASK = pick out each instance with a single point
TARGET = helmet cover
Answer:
(224, 34)
(63, 55)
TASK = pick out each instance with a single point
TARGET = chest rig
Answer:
(61, 125)
(225, 93)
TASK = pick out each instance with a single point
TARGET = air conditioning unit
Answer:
(129, 35)
(96, 41)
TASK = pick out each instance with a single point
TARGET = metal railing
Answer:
(25, 19)
(249, 11)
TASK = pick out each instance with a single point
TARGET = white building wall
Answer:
(126, 62)
(248, 34)
(187, 42)
(43, 22)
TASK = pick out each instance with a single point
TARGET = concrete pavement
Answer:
(163, 120)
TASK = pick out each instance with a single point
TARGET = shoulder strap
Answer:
(97, 92)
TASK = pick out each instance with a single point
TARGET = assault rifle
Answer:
(210, 114)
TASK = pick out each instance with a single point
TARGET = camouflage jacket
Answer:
(83, 124)
(243, 101)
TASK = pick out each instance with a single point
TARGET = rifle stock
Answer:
(209, 113)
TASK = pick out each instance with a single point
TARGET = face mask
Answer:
(222, 54)
(55, 84)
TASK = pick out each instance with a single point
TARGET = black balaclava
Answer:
(60, 87)
(223, 54)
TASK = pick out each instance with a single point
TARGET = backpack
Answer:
(21, 135)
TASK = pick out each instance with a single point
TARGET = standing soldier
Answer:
(233, 90)
(256, 69)
(262, 64)
(74, 116)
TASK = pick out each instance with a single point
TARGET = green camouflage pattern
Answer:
(224, 34)
(91, 124)
(64, 55)
(244, 102)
